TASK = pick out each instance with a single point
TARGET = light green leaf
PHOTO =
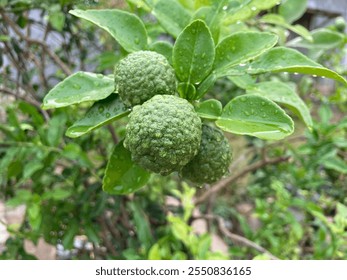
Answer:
(128, 30)
(193, 53)
(335, 163)
(101, 113)
(243, 82)
(210, 109)
(241, 47)
(250, 10)
(282, 93)
(77, 88)
(122, 175)
(280, 21)
(172, 16)
(212, 19)
(288, 60)
(292, 10)
(322, 39)
(255, 116)
(57, 20)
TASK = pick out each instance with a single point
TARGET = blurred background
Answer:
(281, 200)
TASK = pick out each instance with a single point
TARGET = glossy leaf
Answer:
(243, 81)
(211, 17)
(77, 88)
(280, 21)
(292, 10)
(101, 113)
(284, 94)
(241, 47)
(288, 60)
(210, 109)
(206, 85)
(255, 116)
(122, 175)
(128, 30)
(322, 39)
(250, 10)
(193, 53)
(172, 16)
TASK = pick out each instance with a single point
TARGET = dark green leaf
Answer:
(122, 176)
(256, 116)
(193, 53)
(284, 59)
(126, 28)
(241, 47)
(77, 88)
(101, 113)
(209, 109)
(284, 94)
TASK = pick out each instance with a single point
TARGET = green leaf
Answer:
(206, 85)
(69, 236)
(172, 16)
(212, 17)
(292, 10)
(280, 21)
(57, 20)
(335, 163)
(322, 39)
(255, 116)
(210, 109)
(193, 53)
(122, 175)
(164, 48)
(128, 30)
(77, 88)
(282, 93)
(241, 47)
(143, 229)
(284, 59)
(250, 10)
(101, 113)
(242, 81)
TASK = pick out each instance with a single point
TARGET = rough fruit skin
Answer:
(163, 134)
(212, 160)
(142, 75)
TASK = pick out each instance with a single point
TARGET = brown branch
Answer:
(229, 180)
(113, 134)
(26, 99)
(31, 41)
(104, 234)
(237, 239)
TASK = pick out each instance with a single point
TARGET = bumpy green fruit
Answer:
(163, 134)
(142, 75)
(212, 160)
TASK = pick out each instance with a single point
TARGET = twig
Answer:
(113, 134)
(229, 180)
(26, 99)
(31, 41)
(237, 239)
(109, 246)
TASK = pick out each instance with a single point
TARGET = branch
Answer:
(26, 99)
(229, 180)
(237, 239)
(31, 41)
